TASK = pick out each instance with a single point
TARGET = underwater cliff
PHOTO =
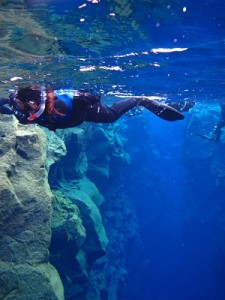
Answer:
(53, 189)
(87, 209)
(73, 226)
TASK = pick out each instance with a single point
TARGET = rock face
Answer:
(25, 205)
(79, 247)
(79, 164)
(78, 234)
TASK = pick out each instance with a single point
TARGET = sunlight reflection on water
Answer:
(139, 50)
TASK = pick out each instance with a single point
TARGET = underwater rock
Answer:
(86, 185)
(92, 151)
(98, 154)
(66, 221)
(75, 273)
(56, 147)
(96, 239)
(24, 281)
(74, 164)
(94, 154)
(98, 288)
(105, 153)
(25, 210)
(68, 234)
(77, 281)
(78, 235)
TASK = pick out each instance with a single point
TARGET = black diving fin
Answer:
(162, 110)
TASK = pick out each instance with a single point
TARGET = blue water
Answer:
(180, 222)
(178, 204)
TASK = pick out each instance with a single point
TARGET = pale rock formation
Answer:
(25, 207)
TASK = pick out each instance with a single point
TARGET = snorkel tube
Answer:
(41, 108)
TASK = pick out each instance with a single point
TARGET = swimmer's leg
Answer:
(100, 113)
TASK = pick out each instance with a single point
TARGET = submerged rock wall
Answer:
(25, 207)
(80, 244)
(74, 217)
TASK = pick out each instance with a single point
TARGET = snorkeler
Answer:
(69, 108)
